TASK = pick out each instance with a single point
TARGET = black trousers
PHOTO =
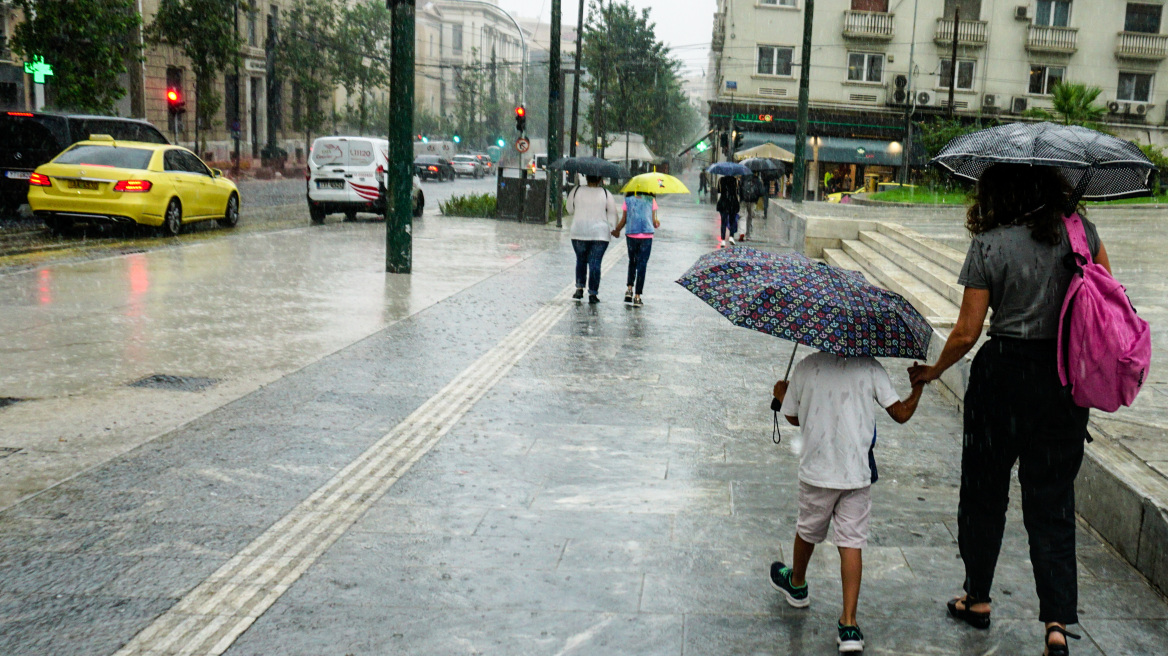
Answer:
(1016, 410)
(639, 250)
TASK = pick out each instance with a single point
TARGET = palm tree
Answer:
(1074, 104)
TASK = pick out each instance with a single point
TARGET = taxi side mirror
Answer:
(218, 173)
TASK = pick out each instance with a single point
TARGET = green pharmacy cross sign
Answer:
(38, 69)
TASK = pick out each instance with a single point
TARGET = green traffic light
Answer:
(457, 139)
(425, 139)
(501, 143)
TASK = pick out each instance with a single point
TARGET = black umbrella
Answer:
(590, 166)
(759, 164)
(1097, 165)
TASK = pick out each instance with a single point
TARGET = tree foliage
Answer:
(634, 82)
(303, 57)
(87, 42)
(1074, 104)
(361, 38)
(204, 30)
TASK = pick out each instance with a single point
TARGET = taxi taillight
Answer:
(39, 180)
(133, 185)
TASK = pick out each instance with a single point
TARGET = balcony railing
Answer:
(868, 24)
(969, 33)
(1042, 38)
(718, 39)
(1139, 45)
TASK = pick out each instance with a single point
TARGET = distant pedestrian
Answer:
(703, 184)
(640, 215)
(594, 213)
(750, 193)
(1016, 408)
(728, 207)
(830, 397)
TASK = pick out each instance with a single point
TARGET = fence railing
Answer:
(1052, 39)
(868, 24)
(1139, 45)
(970, 33)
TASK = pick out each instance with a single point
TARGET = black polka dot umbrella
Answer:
(1097, 165)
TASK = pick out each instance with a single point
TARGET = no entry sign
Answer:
(522, 144)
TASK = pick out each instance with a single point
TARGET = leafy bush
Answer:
(1159, 159)
(476, 206)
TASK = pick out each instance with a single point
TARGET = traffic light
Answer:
(737, 140)
(174, 101)
(457, 139)
(521, 119)
(501, 142)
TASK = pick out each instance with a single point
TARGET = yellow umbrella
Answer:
(654, 183)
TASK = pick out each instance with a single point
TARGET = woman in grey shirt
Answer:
(1016, 409)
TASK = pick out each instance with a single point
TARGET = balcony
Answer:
(1062, 40)
(969, 33)
(718, 39)
(1139, 45)
(868, 25)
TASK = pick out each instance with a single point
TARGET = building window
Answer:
(456, 38)
(964, 74)
(1053, 13)
(1142, 18)
(775, 60)
(870, 5)
(253, 30)
(778, 3)
(1043, 78)
(970, 9)
(865, 67)
(1135, 87)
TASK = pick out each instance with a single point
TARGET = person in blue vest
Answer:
(640, 215)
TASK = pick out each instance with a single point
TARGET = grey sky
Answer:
(683, 24)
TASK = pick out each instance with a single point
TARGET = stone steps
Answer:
(937, 308)
(938, 277)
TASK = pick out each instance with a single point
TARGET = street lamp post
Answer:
(799, 188)
(399, 245)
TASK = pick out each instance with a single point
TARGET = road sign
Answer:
(522, 144)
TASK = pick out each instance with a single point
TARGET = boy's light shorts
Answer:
(846, 510)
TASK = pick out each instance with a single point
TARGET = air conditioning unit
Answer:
(927, 99)
(898, 91)
(989, 101)
(1140, 109)
(1018, 105)
(1022, 12)
(1115, 107)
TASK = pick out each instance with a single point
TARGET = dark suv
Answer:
(29, 139)
(432, 167)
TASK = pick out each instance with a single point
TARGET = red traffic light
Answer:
(172, 95)
(520, 111)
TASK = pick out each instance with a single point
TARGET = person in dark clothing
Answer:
(750, 192)
(728, 207)
(703, 183)
(1016, 409)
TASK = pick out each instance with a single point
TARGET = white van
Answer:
(347, 175)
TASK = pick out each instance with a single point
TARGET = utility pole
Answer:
(799, 188)
(953, 61)
(236, 124)
(576, 78)
(555, 128)
(399, 245)
(911, 107)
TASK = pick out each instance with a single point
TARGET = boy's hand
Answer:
(781, 390)
(920, 374)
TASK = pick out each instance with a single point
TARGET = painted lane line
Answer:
(209, 618)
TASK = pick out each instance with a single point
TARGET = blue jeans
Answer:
(588, 257)
(639, 250)
(729, 221)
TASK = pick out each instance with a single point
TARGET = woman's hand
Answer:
(919, 374)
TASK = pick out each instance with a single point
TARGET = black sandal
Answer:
(1058, 650)
(974, 619)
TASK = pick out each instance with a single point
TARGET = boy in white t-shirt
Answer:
(830, 397)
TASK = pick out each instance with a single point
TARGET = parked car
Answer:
(347, 175)
(29, 139)
(432, 167)
(103, 180)
(468, 165)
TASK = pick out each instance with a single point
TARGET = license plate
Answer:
(81, 184)
(330, 184)
(18, 175)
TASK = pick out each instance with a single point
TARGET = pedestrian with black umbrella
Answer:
(1030, 179)
(594, 215)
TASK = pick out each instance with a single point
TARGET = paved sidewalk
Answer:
(614, 490)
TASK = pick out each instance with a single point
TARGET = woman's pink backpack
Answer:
(1104, 347)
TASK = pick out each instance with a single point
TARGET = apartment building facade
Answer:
(1010, 54)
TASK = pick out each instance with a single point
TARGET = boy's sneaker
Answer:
(781, 581)
(731, 240)
(850, 639)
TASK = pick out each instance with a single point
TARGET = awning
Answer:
(842, 150)
(708, 135)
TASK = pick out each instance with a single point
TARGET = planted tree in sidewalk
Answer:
(87, 42)
(303, 57)
(1073, 104)
(359, 46)
(204, 30)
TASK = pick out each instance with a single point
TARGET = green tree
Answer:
(1159, 159)
(303, 57)
(470, 99)
(205, 32)
(362, 35)
(87, 42)
(1074, 104)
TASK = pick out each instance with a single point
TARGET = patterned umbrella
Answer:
(820, 306)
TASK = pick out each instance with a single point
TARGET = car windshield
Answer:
(464, 158)
(111, 156)
(428, 159)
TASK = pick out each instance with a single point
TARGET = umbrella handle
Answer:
(791, 362)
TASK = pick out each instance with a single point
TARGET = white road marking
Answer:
(208, 620)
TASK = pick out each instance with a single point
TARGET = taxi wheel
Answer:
(231, 216)
(172, 221)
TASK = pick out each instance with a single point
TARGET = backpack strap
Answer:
(1078, 236)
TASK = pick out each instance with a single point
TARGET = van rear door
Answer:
(361, 171)
(328, 165)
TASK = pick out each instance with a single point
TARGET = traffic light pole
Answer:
(799, 187)
(399, 247)
(555, 127)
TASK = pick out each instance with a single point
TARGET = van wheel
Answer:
(316, 215)
(420, 205)
(231, 215)
(172, 221)
(350, 215)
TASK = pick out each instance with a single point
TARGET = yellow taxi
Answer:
(106, 181)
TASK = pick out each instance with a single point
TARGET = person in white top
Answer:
(830, 397)
(594, 214)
